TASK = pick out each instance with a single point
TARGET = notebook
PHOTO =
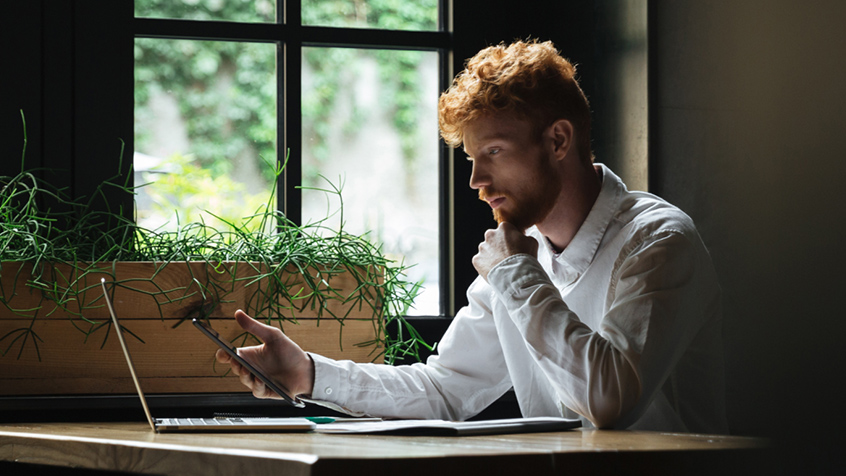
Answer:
(201, 424)
(452, 428)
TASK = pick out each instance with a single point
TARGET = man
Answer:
(591, 301)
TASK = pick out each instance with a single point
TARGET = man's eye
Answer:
(493, 151)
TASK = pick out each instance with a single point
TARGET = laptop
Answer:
(230, 424)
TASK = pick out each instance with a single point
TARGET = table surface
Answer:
(134, 447)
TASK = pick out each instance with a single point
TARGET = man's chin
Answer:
(516, 222)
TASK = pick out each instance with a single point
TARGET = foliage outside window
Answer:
(224, 96)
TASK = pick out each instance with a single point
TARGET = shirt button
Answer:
(328, 391)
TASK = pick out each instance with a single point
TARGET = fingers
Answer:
(532, 247)
(237, 369)
(508, 227)
(222, 356)
(504, 241)
(260, 390)
(256, 386)
(265, 333)
(511, 240)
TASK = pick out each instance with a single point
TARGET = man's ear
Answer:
(561, 135)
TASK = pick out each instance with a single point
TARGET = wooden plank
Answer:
(151, 298)
(119, 386)
(171, 359)
(143, 290)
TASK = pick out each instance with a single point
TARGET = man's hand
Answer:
(280, 358)
(499, 244)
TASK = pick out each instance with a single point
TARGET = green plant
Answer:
(266, 241)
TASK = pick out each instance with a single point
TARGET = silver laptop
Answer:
(202, 424)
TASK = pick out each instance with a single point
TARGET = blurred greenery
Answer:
(185, 189)
(226, 91)
(226, 95)
(225, 10)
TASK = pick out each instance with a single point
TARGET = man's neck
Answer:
(579, 193)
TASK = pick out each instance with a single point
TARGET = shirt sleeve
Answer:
(610, 374)
(467, 375)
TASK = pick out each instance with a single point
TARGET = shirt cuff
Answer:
(330, 390)
(511, 276)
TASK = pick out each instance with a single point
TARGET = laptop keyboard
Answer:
(200, 421)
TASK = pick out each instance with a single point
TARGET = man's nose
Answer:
(479, 177)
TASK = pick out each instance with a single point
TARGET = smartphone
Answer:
(230, 349)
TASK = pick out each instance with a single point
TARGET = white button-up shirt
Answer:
(622, 329)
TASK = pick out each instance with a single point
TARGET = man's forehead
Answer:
(487, 135)
(489, 128)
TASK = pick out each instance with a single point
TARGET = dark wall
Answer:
(20, 57)
(748, 137)
(570, 26)
(71, 72)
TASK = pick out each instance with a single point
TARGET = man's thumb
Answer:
(254, 327)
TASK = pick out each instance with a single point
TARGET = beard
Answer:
(530, 206)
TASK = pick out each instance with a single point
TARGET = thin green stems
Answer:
(291, 267)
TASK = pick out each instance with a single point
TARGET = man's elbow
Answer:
(610, 406)
(604, 416)
(606, 419)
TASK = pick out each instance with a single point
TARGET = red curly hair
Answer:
(530, 79)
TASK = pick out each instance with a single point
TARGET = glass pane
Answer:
(205, 130)
(370, 125)
(413, 15)
(246, 11)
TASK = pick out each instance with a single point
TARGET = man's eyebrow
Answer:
(488, 138)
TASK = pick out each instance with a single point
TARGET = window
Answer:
(224, 90)
(73, 76)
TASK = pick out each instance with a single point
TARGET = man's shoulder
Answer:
(645, 213)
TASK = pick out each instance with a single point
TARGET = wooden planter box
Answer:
(155, 301)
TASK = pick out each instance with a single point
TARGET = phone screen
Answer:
(230, 349)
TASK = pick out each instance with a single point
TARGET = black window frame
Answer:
(291, 36)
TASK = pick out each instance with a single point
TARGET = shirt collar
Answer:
(580, 252)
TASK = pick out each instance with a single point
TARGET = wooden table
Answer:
(133, 447)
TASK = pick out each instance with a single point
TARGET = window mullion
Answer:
(446, 217)
(290, 127)
(290, 110)
(206, 30)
